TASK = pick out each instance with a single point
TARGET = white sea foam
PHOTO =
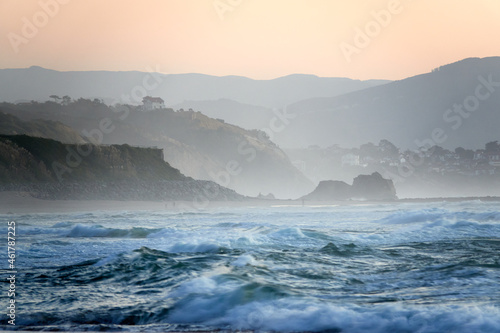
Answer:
(303, 315)
(244, 260)
(437, 214)
(109, 259)
(201, 285)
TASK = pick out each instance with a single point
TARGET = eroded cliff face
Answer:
(364, 187)
(24, 158)
(49, 169)
(18, 165)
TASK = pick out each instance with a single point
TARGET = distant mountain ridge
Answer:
(37, 83)
(413, 112)
(406, 112)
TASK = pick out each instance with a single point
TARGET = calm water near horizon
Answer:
(406, 267)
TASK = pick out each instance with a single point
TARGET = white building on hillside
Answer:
(152, 103)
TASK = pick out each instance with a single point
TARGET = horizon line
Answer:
(248, 77)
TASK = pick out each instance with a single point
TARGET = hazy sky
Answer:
(384, 39)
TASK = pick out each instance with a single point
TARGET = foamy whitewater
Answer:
(367, 268)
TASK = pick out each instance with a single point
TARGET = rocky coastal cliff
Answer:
(49, 169)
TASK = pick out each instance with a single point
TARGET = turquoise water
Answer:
(366, 268)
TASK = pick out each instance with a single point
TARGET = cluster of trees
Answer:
(66, 100)
(468, 154)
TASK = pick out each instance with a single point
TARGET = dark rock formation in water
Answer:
(364, 187)
(373, 187)
(269, 196)
(330, 190)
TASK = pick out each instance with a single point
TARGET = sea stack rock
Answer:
(365, 187)
(330, 190)
(373, 187)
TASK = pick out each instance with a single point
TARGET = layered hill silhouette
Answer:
(37, 83)
(454, 105)
(199, 146)
(328, 110)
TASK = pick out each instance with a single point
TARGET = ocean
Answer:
(403, 267)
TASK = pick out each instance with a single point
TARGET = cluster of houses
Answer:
(478, 162)
(322, 163)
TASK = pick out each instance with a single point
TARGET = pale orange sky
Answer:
(260, 39)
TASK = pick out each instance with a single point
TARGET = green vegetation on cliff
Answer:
(29, 159)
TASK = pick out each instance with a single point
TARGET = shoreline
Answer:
(17, 202)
